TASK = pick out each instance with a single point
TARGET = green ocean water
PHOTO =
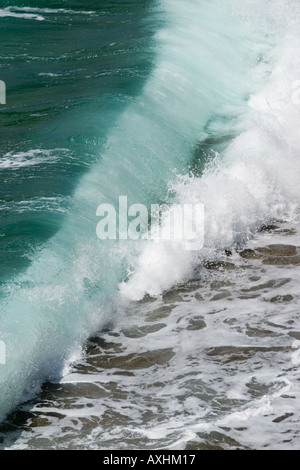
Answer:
(68, 77)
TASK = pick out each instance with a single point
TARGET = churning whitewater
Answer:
(216, 123)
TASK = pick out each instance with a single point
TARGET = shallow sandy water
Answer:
(212, 364)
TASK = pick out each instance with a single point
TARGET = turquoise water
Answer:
(157, 101)
(68, 65)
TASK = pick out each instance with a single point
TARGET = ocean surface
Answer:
(145, 344)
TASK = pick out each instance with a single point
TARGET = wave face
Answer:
(224, 79)
(251, 176)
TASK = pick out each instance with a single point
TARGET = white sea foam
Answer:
(50, 10)
(31, 13)
(254, 181)
(32, 157)
(9, 13)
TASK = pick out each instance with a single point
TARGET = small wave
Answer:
(50, 10)
(31, 13)
(8, 12)
(56, 204)
(13, 160)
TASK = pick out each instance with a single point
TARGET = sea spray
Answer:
(253, 181)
